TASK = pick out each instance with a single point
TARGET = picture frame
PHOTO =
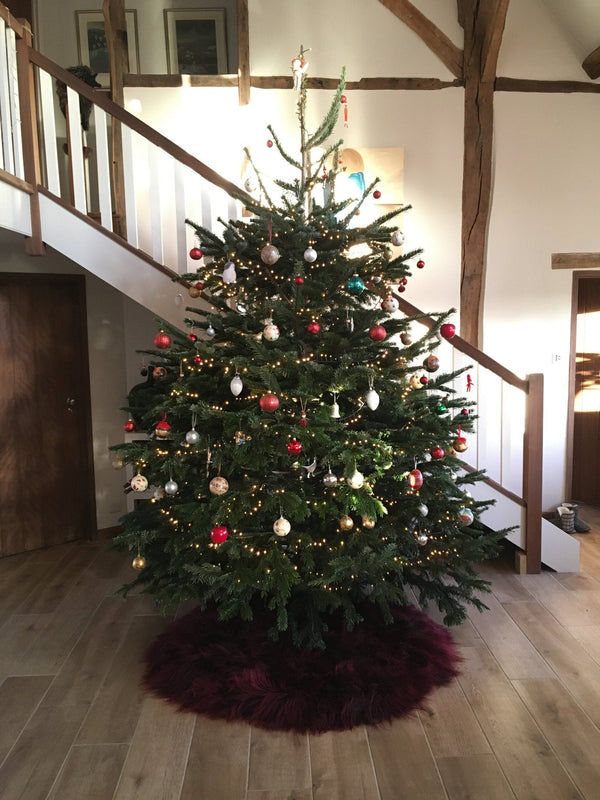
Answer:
(196, 41)
(92, 48)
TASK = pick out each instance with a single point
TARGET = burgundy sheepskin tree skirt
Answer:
(233, 671)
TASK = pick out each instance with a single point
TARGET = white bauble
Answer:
(372, 399)
(271, 332)
(210, 331)
(310, 255)
(389, 304)
(171, 487)
(236, 385)
(397, 238)
(281, 526)
(139, 483)
(422, 539)
(356, 480)
(423, 510)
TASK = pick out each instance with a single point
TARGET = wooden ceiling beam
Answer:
(591, 64)
(437, 41)
(494, 29)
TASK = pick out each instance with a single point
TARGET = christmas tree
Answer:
(303, 448)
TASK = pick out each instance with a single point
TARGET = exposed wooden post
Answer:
(115, 28)
(483, 35)
(243, 33)
(29, 133)
(532, 472)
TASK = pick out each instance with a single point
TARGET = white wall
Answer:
(546, 154)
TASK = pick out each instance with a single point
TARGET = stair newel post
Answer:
(115, 28)
(532, 472)
(34, 245)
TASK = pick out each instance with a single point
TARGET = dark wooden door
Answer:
(586, 404)
(46, 464)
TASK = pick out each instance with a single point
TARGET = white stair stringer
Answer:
(106, 258)
(560, 551)
(15, 210)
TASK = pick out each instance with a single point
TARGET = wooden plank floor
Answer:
(521, 722)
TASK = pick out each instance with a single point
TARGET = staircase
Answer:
(119, 211)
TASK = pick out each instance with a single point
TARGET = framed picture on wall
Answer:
(196, 43)
(92, 47)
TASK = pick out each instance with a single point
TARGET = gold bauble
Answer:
(460, 444)
(415, 382)
(368, 522)
(346, 523)
(194, 292)
(218, 485)
(139, 562)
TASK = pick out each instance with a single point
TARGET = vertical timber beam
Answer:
(243, 33)
(34, 245)
(532, 472)
(484, 25)
(115, 27)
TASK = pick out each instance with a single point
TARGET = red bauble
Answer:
(196, 254)
(219, 534)
(313, 327)
(447, 330)
(294, 447)
(464, 412)
(129, 426)
(298, 280)
(415, 479)
(343, 99)
(269, 142)
(420, 263)
(404, 281)
(376, 194)
(424, 380)
(437, 453)
(193, 337)
(162, 340)
(401, 288)
(197, 359)
(269, 402)
(378, 333)
(199, 285)
(303, 422)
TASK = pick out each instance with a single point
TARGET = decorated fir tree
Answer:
(303, 449)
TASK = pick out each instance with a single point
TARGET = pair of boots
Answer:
(569, 519)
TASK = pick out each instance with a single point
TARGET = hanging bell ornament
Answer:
(346, 523)
(218, 485)
(356, 480)
(282, 526)
(139, 483)
(229, 274)
(269, 254)
(171, 487)
(139, 562)
(334, 412)
(397, 238)
(271, 332)
(310, 255)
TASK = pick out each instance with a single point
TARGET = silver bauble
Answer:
(269, 254)
(329, 479)
(310, 255)
(171, 487)
(356, 480)
(192, 437)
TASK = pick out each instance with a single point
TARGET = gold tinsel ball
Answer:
(368, 522)
(139, 562)
(346, 523)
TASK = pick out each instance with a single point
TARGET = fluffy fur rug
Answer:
(367, 676)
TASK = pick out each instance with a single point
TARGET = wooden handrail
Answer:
(135, 124)
(20, 27)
